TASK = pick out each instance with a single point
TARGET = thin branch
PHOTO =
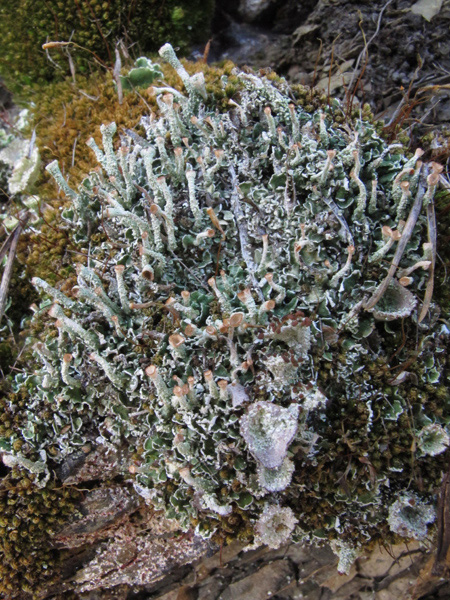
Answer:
(406, 234)
(366, 46)
(116, 75)
(432, 238)
(10, 243)
(239, 218)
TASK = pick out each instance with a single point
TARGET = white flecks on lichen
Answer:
(347, 554)
(268, 430)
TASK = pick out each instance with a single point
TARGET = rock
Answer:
(140, 560)
(211, 589)
(382, 563)
(304, 30)
(427, 8)
(5, 97)
(397, 589)
(101, 509)
(169, 596)
(187, 592)
(250, 10)
(338, 80)
(208, 565)
(261, 585)
(99, 463)
(338, 580)
(119, 593)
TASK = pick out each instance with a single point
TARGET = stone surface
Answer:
(338, 580)
(208, 565)
(380, 561)
(322, 43)
(101, 509)
(252, 9)
(295, 572)
(137, 561)
(261, 585)
(92, 463)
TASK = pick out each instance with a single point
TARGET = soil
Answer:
(377, 52)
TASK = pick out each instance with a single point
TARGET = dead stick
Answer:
(432, 238)
(14, 237)
(443, 541)
(406, 234)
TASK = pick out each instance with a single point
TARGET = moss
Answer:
(29, 516)
(22, 294)
(354, 457)
(94, 26)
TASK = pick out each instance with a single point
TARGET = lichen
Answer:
(65, 116)
(275, 526)
(242, 320)
(433, 439)
(409, 516)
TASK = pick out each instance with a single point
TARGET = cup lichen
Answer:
(233, 324)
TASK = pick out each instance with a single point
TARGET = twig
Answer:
(366, 46)
(331, 67)
(432, 238)
(49, 45)
(319, 53)
(189, 270)
(71, 66)
(360, 76)
(116, 75)
(340, 217)
(11, 245)
(74, 149)
(443, 541)
(239, 218)
(406, 234)
(406, 96)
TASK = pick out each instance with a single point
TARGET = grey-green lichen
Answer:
(250, 272)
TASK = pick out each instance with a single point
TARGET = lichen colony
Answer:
(250, 276)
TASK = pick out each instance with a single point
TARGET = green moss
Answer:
(94, 27)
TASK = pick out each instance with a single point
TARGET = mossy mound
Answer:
(29, 516)
(267, 404)
(95, 26)
(240, 299)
